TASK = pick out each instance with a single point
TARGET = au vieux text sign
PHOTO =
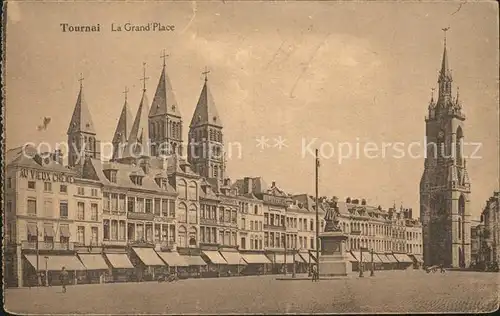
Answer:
(47, 176)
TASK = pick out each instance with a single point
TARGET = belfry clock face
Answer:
(441, 134)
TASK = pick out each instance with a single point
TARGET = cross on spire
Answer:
(445, 30)
(125, 92)
(206, 72)
(144, 78)
(81, 80)
(164, 56)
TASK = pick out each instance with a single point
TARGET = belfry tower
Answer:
(445, 184)
(82, 139)
(206, 147)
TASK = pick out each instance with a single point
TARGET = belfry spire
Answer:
(445, 78)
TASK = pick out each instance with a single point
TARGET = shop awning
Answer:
(148, 256)
(355, 255)
(280, 258)
(391, 258)
(418, 258)
(403, 258)
(255, 258)
(119, 261)
(215, 257)
(305, 256)
(173, 259)
(93, 262)
(194, 260)
(56, 263)
(351, 258)
(377, 259)
(383, 258)
(367, 257)
(233, 257)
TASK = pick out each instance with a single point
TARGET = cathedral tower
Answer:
(445, 185)
(165, 121)
(206, 147)
(122, 131)
(82, 140)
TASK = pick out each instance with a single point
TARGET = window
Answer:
(221, 237)
(80, 215)
(266, 239)
(243, 243)
(233, 239)
(243, 224)
(94, 235)
(9, 183)
(47, 186)
(182, 213)
(312, 243)
(121, 232)
(93, 192)
(47, 208)
(121, 203)
(114, 230)
(105, 235)
(171, 208)
(63, 209)
(251, 225)
(256, 210)
(32, 207)
(140, 232)
(64, 233)
(192, 215)
(140, 205)
(149, 206)
(31, 185)
(233, 217)
(164, 232)
(80, 235)
(157, 207)
(266, 218)
(260, 226)
(93, 212)
(81, 191)
(221, 214)
(114, 202)
(157, 232)
(131, 204)
(202, 234)
(63, 188)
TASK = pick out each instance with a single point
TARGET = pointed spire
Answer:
(445, 69)
(81, 120)
(124, 125)
(164, 102)
(206, 112)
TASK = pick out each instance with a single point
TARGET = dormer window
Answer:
(136, 179)
(162, 182)
(111, 175)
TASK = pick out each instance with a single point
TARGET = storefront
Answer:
(385, 261)
(235, 262)
(121, 268)
(354, 262)
(175, 262)
(257, 263)
(196, 266)
(147, 264)
(404, 262)
(217, 265)
(281, 262)
(418, 261)
(393, 262)
(52, 266)
(96, 267)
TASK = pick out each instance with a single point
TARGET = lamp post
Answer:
(372, 272)
(360, 262)
(38, 276)
(293, 271)
(46, 271)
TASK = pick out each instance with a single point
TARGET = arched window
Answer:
(193, 190)
(182, 213)
(182, 189)
(458, 146)
(192, 216)
(182, 236)
(192, 236)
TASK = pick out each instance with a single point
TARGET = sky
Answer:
(291, 71)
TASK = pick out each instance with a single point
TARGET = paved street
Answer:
(389, 291)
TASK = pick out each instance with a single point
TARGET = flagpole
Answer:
(317, 214)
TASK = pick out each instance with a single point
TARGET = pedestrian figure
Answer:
(314, 273)
(442, 268)
(64, 279)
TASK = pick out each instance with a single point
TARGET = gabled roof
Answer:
(164, 101)
(81, 120)
(205, 111)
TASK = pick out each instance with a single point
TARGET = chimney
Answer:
(410, 213)
(248, 185)
(274, 184)
(57, 156)
(363, 202)
(356, 201)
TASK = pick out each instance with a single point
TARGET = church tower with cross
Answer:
(123, 129)
(445, 184)
(165, 120)
(206, 147)
(82, 138)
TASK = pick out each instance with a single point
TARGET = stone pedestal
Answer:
(333, 260)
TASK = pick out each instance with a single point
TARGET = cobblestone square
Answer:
(387, 291)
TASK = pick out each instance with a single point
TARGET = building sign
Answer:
(46, 176)
(275, 200)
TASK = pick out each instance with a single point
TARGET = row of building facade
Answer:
(149, 199)
(485, 234)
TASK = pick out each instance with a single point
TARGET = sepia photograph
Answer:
(250, 157)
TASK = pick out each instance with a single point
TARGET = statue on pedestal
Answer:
(331, 218)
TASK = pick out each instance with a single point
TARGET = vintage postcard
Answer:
(246, 157)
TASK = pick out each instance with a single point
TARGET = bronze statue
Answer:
(331, 218)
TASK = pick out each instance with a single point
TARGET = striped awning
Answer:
(173, 259)
(255, 258)
(391, 258)
(119, 261)
(148, 256)
(194, 260)
(214, 257)
(403, 258)
(351, 258)
(418, 258)
(93, 261)
(55, 263)
(233, 257)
